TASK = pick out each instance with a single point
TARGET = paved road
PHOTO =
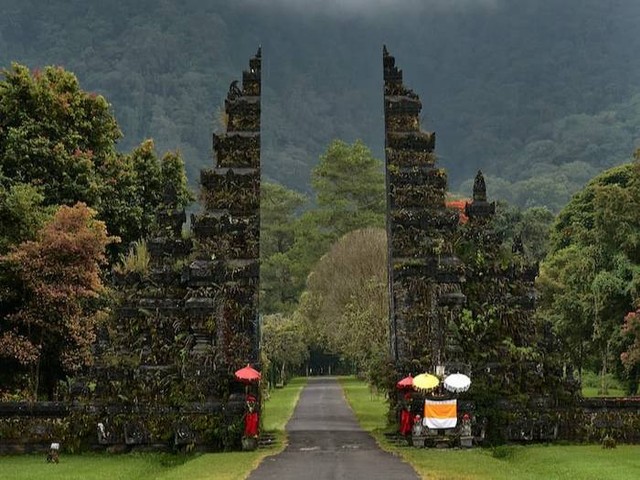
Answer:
(326, 443)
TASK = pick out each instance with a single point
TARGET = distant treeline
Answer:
(541, 95)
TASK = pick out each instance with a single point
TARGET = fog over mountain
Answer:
(541, 95)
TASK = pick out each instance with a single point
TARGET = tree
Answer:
(61, 140)
(21, 214)
(349, 187)
(53, 134)
(345, 306)
(591, 276)
(135, 187)
(278, 208)
(532, 224)
(284, 345)
(52, 328)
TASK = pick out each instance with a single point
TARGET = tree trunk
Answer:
(604, 387)
(35, 380)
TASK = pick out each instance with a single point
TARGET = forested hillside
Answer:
(542, 93)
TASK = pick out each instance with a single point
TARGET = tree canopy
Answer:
(61, 140)
(56, 307)
(346, 305)
(349, 194)
(590, 279)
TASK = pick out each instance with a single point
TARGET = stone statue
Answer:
(479, 188)
(234, 91)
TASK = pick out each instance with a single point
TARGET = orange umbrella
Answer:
(247, 374)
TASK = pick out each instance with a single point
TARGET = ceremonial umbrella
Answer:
(425, 381)
(247, 375)
(457, 383)
(406, 382)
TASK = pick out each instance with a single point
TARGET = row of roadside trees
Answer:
(326, 276)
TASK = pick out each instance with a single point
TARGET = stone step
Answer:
(267, 440)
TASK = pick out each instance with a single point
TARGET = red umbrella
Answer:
(406, 382)
(247, 374)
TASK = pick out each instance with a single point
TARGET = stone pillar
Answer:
(223, 280)
(424, 274)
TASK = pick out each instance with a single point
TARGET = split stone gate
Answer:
(164, 369)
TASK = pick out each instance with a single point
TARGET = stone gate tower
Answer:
(424, 274)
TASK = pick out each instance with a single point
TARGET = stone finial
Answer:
(479, 188)
(385, 52)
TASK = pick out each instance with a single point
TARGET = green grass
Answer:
(592, 383)
(588, 392)
(549, 462)
(151, 466)
(92, 466)
(280, 404)
(370, 408)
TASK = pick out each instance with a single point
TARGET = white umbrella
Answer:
(457, 383)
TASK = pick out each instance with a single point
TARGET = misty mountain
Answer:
(540, 94)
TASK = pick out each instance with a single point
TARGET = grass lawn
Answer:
(572, 462)
(593, 392)
(151, 466)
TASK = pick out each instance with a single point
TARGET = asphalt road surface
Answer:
(326, 443)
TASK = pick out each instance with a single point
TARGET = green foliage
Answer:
(506, 97)
(136, 260)
(61, 140)
(21, 214)
(346, 307)
(52, 328)
(532, 224)
(278, 208)
(53, 134)
(590, 278)
(344, 202)
(592, 384)
(138, 186)
(285, 346)
(349, 184)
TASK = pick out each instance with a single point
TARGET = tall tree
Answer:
(349, 187)
(591, 277)
(345, 306)
(348, 183)
(62, 140)
(349, 194)
(278, 209)
(53, 326)
(284, 345)
(53, 134)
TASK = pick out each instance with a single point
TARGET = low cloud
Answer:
(372, 7)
